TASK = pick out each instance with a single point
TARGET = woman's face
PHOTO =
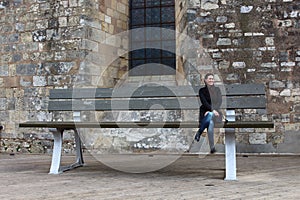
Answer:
(210, 80)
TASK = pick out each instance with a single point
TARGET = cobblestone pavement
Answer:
(190, 177)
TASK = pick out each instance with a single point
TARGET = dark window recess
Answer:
(152, 50)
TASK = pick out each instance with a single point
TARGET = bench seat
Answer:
(185, 124)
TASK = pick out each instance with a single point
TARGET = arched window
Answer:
(153, 42)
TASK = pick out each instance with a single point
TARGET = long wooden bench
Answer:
(147, 97)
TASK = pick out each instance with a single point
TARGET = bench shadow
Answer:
(209, 167)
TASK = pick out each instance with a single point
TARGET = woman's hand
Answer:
(216, 113)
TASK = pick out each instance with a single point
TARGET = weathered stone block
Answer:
(296, 92)
(222, 19)
(288, 64)
(224, 41)
(239, 65)
(296, 117)
(26, 69)
(269, 41)
(209, 4)
(58, 68)
(224, 65)
(258, 138)
(121, 7)
(4, 70)
(285, 92)
(275, 84)
(230, 25)
(11, 82)
(39, 81)
(269, 65)
(284, 23)
(274, 92)
(246, 9)
(232, 77)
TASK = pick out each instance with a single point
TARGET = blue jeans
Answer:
(207, 122)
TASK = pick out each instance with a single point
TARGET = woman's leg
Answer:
(210, 132)
(204, 124)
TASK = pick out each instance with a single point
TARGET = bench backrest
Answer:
(235, 96)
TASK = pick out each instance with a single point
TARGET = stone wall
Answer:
(83, 43)
(256, 42)
(52, 44)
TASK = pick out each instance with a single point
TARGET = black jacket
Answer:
(211, 99)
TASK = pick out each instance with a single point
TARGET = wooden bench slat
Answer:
(124, 92)
(248, 102)
(151, 91)
(245, 89)
(153, 104)
(174, 124)
(136, 104)
(81, 93)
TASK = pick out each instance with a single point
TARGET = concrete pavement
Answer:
(190, 177)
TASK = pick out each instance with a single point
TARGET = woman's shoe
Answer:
(197, 136)
(213, 150)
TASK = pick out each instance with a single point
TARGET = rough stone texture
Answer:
(257, 43)
(51, 44)
(61, 44)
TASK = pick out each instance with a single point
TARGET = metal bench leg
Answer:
(56, 155)
(230, 158)
(230, 155)
(57, 150)
(79, 156)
